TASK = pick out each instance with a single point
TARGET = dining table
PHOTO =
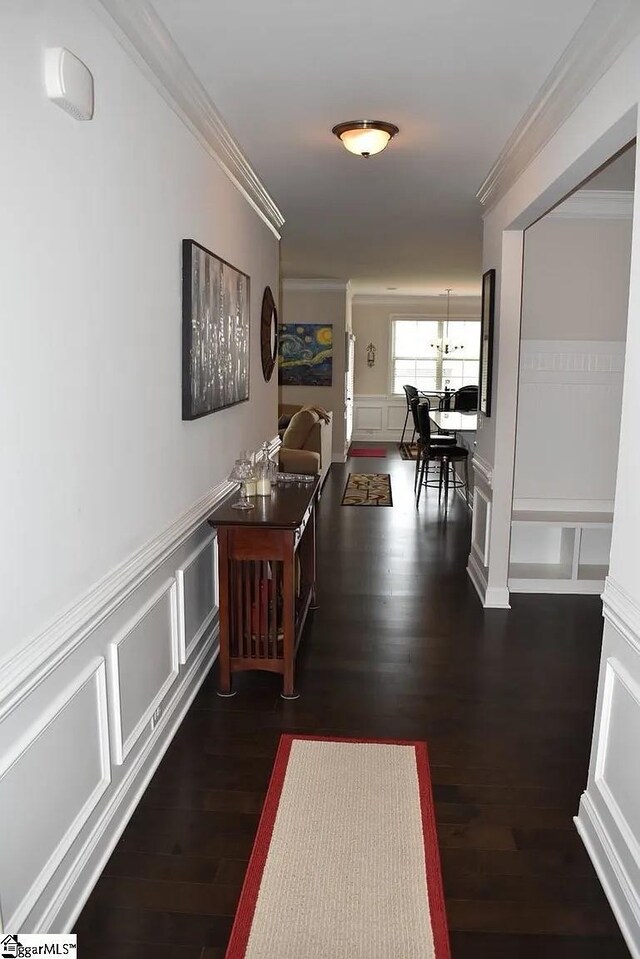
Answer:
(455, 421)
(464, 426)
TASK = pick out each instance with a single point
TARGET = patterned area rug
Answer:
(408, 451)
(368, 489)
(345, 861)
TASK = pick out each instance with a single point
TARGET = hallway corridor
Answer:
(399, 647)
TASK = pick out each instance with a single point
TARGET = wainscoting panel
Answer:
(51, 780)
(609, 816)
(379, 418)
(572, 457)
(197, 581)
(143, 664)
(88, 709)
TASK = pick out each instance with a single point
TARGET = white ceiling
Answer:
(454, 75)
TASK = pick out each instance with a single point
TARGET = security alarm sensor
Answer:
(68, 83)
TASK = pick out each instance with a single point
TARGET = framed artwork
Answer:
(215, 332)
(305, 355)
(486, 341)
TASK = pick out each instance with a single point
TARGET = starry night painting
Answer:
(305, 356)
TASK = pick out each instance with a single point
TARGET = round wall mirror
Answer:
(268, 334)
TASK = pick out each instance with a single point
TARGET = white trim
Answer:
(595, 204)
(608, 28)
(122, 747)
(125, 798)
(142, 33)
(426, 302)
(476, 575)
(185, 649)
(497, 597)
(483, 469)
(315, 286)
(94, 671)
(622, 611)
(28, 667)
(611, 873)
(482, 555)
(562, 505)
(614, 670)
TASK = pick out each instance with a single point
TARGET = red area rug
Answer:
(345, 860)
(368, 451)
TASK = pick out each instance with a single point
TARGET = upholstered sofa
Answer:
(306, 439)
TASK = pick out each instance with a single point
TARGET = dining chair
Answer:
(410, 393)
(437, 439)
(466, 399)
(445, 454)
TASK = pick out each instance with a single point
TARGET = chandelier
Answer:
(446, 347)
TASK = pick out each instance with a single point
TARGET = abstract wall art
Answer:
(215, 332)
(305, 355)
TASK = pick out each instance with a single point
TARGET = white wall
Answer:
(97, 459)
(372, 324)
(109, 600)
(603, 122)
(576, 279)
(317, 303)
(574, 319)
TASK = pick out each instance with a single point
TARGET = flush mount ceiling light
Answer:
(365, 137)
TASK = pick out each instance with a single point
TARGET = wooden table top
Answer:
(284, 509)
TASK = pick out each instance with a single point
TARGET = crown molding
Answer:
(608, 28)
(315, 286)
(595, 204)
(142, 33)
(429, 303)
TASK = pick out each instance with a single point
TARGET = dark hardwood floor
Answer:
(400, 647)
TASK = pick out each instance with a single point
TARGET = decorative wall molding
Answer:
(31, 664)
(606, 31)
(481, 525)
(205, 556)
(142, 33)
(379, 417)
(314, 286)
(611, 872)
(68, 900)
(563, 505)
(152, 615)
(622, 611)
(476, 574)
(45, 725)
(617, 678)
(467, 307)
(483, 469)
(572, 362)
(595, 204)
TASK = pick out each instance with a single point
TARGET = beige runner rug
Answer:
(345, 863)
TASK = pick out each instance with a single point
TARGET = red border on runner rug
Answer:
(367, 451)
(253, 877)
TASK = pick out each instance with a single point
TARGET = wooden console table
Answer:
(267, 580)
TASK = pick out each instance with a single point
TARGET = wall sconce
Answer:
(371, 355)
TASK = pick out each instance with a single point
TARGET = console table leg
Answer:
(224, 666)
(288, 624)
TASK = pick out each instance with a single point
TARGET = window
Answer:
(427, 355)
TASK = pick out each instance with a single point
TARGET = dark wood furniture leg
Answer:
(224, 685)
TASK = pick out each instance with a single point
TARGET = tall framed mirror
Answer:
(268, 334)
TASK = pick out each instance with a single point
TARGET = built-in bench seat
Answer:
(559, 551)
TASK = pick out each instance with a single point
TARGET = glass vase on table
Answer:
(242, 473)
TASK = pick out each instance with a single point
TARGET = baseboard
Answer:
(563, 505)
(72, 894)
(491, 597)
(611, 874)
(476, 575)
